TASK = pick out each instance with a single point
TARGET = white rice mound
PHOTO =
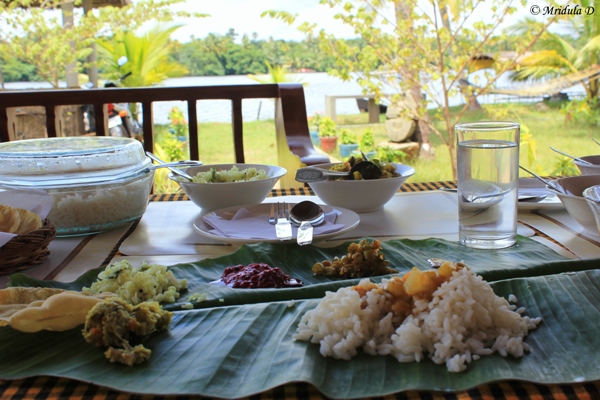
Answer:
(463, 321)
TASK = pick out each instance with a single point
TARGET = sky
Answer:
(244, 17)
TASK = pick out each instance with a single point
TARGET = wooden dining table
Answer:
(164, 234)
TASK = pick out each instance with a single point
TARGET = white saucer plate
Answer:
(346, 217)
(533, 187)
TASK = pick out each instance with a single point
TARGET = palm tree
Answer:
(275, 74)
(147, 55)
(563, 56)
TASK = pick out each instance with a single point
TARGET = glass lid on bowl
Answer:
(70, 159)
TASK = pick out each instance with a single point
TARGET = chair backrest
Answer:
(294, 146)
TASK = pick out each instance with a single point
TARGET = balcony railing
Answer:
(294, 146)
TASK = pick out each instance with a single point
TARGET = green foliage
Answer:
(178, 125)
(14, 70)
(367, 141)
(167, 148)
(217, 55)
(389, 154)
(565, 54)
(314, 121)
(347, 138)
(36, 35)
(275, 74)
(584, 112)
(327, 127)
(147, 57)
(400, 55)
(564, 166)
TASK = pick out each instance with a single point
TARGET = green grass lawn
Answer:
(546, 124)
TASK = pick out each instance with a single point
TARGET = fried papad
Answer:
(36, 309)
(26, 295)
(9, 219)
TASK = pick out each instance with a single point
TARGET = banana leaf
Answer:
(237, 351)
(526, 258)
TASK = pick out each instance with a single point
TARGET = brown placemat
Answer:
(52, 388)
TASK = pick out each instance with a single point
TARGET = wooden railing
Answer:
(294, 146)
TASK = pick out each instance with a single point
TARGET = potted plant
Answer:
(367, 144)
(328, 134)
(313, 128)
(178, 126)
(348, 143)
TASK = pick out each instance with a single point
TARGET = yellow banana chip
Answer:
(18, 220)
(9, 219)
(30, 221)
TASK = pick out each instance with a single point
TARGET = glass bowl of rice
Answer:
(97, 183)
(219, 186)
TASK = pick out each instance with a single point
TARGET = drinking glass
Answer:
(488, 179)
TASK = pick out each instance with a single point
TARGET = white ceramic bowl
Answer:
(574, 201)
(592, 195)
(589, 169)
(214, 196)
(360, 196)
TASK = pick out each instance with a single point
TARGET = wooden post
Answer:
(330, 106)
(373, 111)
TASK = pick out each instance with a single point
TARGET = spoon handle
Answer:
(174, 170)
(305, 233)
(311, 174)
(570, 156)
(548, 183)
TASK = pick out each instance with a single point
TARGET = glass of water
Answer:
(488, 180)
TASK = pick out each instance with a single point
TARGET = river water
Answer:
(317, 86)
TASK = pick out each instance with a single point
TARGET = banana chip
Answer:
(18, 220)
(9, 219)
(30, 221)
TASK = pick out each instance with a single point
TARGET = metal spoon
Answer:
(520, 198)
(597, 142)
(306, 214)
(367, 169)
(165, 165)
(473, 199)
(174, 170)
(573, 157)
(547, 182)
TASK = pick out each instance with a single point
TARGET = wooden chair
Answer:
(294, 146)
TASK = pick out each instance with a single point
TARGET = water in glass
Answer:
(486, 167)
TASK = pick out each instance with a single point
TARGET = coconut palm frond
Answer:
(566, 48)
(275, 74)
(147, 55)
(536, 72)
(589, 53)
(544, 58)
(523, 26)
